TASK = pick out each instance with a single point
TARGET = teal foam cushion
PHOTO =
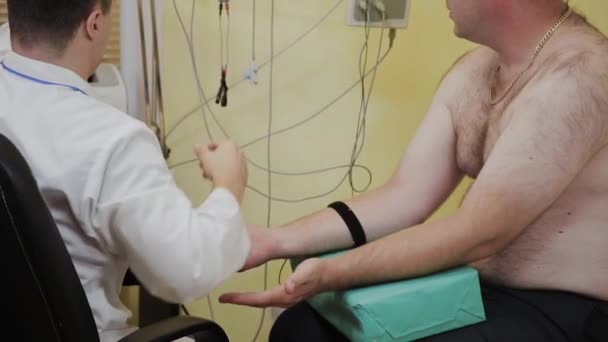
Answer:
(404, 310)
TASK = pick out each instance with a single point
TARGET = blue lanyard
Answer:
(36, 80)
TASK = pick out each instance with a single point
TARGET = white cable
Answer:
(362, 74)
(379, 4)
(251, 73)
(270, 134)
(268, 155)
(363, 5)
(206, 100)
(327, 106)
(198, 81)
(196, 72)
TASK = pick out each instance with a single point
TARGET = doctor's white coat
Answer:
(115, 202)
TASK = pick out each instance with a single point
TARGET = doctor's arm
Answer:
(178, 252)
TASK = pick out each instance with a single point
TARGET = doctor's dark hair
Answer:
(51, 22)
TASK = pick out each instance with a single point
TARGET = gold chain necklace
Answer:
(539, 47)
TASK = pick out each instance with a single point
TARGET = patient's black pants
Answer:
(512, 316)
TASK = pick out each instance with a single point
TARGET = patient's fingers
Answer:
(276, 297)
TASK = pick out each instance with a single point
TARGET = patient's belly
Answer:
(566, 248)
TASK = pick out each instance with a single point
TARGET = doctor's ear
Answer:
(93, 24)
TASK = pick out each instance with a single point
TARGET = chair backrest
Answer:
(46, 301)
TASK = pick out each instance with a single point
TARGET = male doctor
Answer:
(102, 172)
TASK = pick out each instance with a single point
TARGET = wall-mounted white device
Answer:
(396, 13)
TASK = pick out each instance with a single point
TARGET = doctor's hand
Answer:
(224, 164)
(308, 279)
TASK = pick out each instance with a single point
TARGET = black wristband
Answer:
(353, 224)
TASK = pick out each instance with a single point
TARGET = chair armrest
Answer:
(181, 326)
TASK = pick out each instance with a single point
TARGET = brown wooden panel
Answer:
(3, 13)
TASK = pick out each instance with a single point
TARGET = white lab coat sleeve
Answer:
(178, 252)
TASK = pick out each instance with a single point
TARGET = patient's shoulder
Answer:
(581, 51)
(582, 66)
(472, 58)
(572, 85)
(467, 74)
(472, 62)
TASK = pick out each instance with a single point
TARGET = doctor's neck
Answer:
(76, 56)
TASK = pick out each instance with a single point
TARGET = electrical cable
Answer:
(360, 131)
(264, 137)
(319, 112)
(283, 130)
(253, 32)
(206, 100)
(252, 73)
(195, 69)
(362, 69)
(222, 95)
(189, 39)
(268, 155)
(363, 109)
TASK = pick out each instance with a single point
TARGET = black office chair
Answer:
(42, 298)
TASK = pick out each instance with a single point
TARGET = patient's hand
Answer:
(306, 281)
(263, 246)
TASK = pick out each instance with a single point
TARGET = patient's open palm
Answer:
(306, 281)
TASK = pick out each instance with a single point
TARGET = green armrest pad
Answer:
(404, 310)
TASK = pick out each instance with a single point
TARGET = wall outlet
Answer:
(397, 14)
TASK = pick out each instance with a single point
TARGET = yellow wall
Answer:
(306, 78)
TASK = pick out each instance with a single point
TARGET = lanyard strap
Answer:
(39, 81)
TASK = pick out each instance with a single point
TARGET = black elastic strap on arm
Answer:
(353, 224)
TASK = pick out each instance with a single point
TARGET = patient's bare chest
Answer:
(478, 126)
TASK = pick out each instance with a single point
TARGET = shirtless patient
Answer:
(535, 221)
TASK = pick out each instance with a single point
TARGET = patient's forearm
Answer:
(381, 212)
(421, 250)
